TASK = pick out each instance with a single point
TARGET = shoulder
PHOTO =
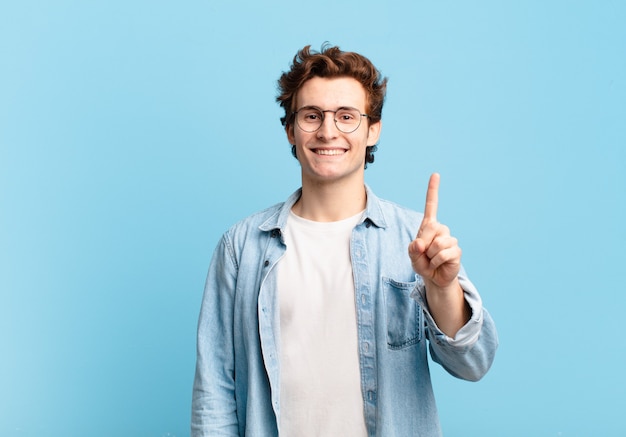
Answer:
(253, 222)
(395, 209)
(252, 230)
(386, 213)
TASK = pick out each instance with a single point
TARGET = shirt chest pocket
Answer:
(404, 314)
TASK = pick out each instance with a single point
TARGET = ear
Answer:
(373, 132)
(290, 134)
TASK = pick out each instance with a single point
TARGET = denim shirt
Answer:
(236, 388)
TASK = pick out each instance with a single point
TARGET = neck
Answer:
(331, 202)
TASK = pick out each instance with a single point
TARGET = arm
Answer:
(464, 339)
(214, 410)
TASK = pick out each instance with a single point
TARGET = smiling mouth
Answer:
(329, 152)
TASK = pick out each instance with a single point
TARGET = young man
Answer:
(316, 316)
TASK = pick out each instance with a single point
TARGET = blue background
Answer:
(132, 134)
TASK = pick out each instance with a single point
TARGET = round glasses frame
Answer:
(346, 127)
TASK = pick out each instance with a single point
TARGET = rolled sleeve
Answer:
(470, 353)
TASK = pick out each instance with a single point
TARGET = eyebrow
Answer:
(320, 109)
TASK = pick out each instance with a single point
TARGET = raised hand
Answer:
(435, 254)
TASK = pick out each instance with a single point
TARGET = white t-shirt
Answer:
(320, 390)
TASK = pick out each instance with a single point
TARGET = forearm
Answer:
(448, 307)
(469, 354)
(467, 360)
(214, 409)
(213, 414)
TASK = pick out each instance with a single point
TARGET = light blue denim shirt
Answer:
(236, 388)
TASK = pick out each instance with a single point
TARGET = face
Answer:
(329, 155)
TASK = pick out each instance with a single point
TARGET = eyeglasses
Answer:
(310, 118)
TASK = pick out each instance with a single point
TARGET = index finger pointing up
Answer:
(432, 198)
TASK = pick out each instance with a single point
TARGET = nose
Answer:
(328, 129)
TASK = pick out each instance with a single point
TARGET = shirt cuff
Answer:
(468, 335)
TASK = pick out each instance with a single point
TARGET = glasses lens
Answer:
(348, 119)
(309, 119)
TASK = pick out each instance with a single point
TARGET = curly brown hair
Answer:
(328, 63)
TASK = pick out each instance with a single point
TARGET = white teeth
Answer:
(329, 151)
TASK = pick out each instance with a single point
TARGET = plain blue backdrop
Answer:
(133, 133)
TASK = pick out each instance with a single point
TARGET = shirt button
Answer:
(266, 263)
(363, 299)
(366, 347)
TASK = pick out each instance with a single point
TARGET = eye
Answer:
(311, 115)
(346, 115)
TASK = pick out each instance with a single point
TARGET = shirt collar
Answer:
(373, 212)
